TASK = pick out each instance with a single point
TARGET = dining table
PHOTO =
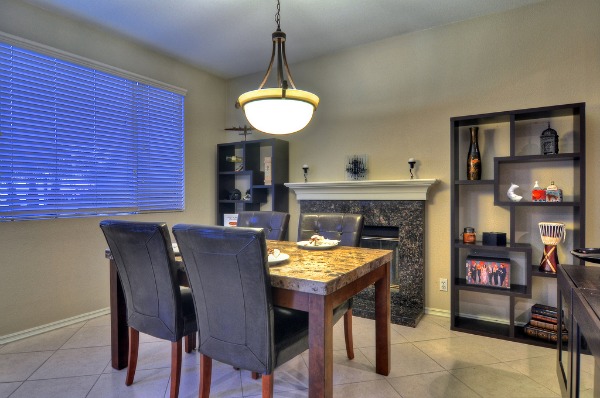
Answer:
(312, 279)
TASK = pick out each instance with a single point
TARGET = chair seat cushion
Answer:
(291, 333)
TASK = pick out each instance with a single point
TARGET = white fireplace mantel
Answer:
(362, 190)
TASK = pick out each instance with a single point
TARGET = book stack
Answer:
(544, 323)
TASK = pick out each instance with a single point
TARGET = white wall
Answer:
(55, 269)
(393, 100)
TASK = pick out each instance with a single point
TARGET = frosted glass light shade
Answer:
(269, 112)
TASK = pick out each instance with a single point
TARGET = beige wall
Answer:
(55, 269)
(393, 100)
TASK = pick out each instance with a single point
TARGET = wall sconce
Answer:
(305, 168)
(411, 162)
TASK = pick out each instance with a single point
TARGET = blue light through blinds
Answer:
(76, 142)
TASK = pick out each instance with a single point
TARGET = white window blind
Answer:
(75, 141)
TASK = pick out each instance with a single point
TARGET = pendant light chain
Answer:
(277, 16)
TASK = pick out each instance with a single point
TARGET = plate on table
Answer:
(324, 245)
(272, 260)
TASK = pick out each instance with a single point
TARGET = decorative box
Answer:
(553, 193)
(488, 271)
(494, 239)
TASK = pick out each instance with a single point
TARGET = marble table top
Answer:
(318, 271)
(323, 271)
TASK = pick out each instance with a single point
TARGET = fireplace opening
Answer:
(384, 237)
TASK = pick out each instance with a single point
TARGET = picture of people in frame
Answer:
(485, 271)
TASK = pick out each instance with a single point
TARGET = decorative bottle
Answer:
(474, 157)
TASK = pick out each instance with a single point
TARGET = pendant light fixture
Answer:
(280, 110)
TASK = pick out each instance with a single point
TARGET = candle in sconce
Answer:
(411, 162)
(305, 169)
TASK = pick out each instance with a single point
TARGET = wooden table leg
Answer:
(119, 338)
(320, 341)
(382, 323)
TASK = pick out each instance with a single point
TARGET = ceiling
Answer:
(231, 38)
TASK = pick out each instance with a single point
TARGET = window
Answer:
(76, 141)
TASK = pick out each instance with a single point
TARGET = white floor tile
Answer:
(501, 381)
(7, 388)
(509, 351)
(406, 360)
(431, 385)
(352, 371)
(72, 387)
(19, 366)
(89, 336)
(147, 384)
(456, 352)
(74, 362)
(540, 369)
(371, 389)
(363, 334)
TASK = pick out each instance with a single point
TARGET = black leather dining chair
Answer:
(228, 271)
(275, 223)
(347, 228)
(156, 304)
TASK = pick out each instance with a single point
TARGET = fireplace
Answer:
(394, 214)
(386, 238)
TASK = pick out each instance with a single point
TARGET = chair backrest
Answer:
(345, 227)
(228, 274)
(275, 223)
(146, 265)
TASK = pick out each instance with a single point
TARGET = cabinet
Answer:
(578, 359)
(241, 166)
(509, 142)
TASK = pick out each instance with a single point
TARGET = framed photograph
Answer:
(488, 271)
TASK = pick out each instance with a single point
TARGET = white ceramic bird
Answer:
(511, 193)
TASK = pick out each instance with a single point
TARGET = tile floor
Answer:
(427, 361)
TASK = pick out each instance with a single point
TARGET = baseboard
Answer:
(52, 326)
(437, 312)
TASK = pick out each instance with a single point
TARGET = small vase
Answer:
(474, 157)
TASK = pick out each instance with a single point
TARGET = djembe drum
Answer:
(552, 233)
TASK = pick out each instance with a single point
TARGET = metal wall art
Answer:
(356, 167)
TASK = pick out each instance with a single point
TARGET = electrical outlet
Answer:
(443, 284)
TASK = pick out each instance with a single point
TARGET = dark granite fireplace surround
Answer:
(408, 299)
